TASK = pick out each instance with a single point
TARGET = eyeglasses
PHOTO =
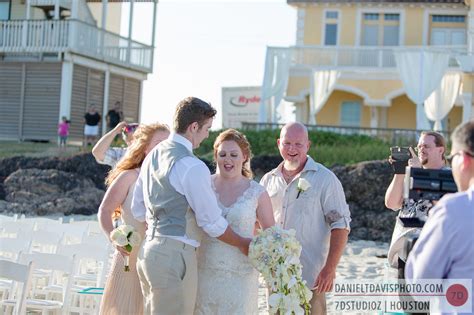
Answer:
(424, 146)
(450, 157)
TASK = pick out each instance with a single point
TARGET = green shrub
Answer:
(327, 148)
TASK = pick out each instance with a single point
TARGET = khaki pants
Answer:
(318, 304)
(168, 276)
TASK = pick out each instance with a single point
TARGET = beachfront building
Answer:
(57, 57)
(375, 64)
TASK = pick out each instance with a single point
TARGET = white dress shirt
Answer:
(191, 178)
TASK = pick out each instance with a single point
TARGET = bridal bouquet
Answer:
(125, 236)
(275, 253)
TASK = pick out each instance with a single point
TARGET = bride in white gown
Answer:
(227, 282)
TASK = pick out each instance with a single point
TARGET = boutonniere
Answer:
(303, 186)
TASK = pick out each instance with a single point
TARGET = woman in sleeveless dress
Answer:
(227, 282)
(122, 292)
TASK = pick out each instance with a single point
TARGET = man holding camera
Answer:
(445, 248)
(431, 149)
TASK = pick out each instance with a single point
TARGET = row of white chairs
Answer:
(20, 237)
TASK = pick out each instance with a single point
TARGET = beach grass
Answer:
(36, 149)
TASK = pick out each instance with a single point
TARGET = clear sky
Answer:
(202, 46)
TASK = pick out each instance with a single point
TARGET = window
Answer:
(5, 9)
(448, 30)
(331, 28)
(380, 29)
(350, 114)
(448, 18)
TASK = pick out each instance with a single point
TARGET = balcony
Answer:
(351, 58)
(74, 36)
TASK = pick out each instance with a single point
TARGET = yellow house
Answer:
(374, 63)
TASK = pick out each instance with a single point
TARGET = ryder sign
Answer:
(239, 104)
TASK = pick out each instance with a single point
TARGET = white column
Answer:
(130, 29)
(470, 27)
(104, 14)
(56, 10)
(105, 107)
(66, 89)
(153, 32)
(103, 26)
(28, 10)
(467, 107)
(374, 117)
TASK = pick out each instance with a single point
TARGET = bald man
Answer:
(319, 213)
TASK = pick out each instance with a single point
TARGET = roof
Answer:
(376, 1)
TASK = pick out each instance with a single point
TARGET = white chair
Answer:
(64, 265)
(11, 247)
(17, 273)
(46, 241)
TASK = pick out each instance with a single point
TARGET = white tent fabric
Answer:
(323, 83)
(275, 81)
(440, 102)
(421, 73)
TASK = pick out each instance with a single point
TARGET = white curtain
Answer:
(421, 73)
(323, 83)
(440, 102)
(275, 81)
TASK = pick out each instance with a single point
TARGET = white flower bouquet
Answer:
(127, 237)
(275, 254)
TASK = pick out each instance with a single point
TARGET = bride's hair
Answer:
(242, 142)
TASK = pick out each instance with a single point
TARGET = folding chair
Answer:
(17, 294)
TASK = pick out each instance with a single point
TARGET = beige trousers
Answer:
(318, 304)
(168, 276)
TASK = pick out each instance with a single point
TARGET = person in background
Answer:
(114, 116)
(431, 149)
(122, 294)
(104, 153)
(91, 127)
(309, 198)
(445, 248)
(63, 131)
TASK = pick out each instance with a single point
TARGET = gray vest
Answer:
(170, 209)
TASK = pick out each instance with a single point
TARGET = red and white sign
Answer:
(240, 104)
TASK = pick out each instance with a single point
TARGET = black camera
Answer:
(400, 157)
(428, 184)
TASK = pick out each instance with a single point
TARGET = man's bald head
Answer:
(294, 128)
(294, 145)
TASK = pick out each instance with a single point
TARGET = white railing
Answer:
(55, 36)
(34, 36)
(360, 57)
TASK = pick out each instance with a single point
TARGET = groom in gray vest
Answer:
(173, 194)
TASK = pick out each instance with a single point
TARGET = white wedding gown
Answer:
(227, 282)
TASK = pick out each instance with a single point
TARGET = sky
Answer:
(202, 46)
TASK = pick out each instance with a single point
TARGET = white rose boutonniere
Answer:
(303, 185)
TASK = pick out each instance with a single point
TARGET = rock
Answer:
(42, 192)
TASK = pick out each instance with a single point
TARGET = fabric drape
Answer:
(275, 81)
(323, 83)
(421, 73)
(440, 102)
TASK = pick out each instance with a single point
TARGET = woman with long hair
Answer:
(228, 284)
(122, 292)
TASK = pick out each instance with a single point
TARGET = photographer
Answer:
(445, 248)
(431, 149)
(104, 154)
